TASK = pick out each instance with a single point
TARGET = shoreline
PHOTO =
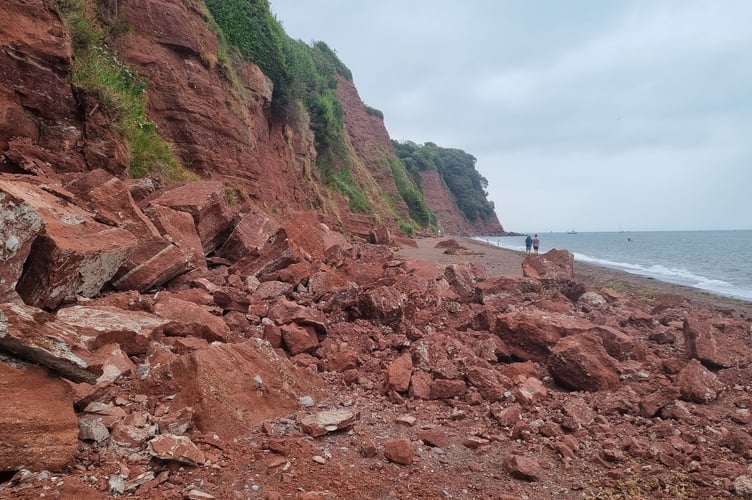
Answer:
(503, 261)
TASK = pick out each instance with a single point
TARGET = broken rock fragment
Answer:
(328, 421)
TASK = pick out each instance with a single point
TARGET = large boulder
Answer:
(531, 336)
(97, 326)
(698, 384)
(178, 228)
(233, 387)
(34, 335)
(557, 265)
(206, 202)
(19, 227)
(703, 341)
(249, 235)
(74, 255)
(581, 363)
(38, 427)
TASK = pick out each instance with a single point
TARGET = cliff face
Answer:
(216, 115)
(450, 219)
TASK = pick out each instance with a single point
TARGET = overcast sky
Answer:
(583, 114)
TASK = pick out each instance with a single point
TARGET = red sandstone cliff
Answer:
(450, 218)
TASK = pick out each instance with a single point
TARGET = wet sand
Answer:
(502, 261)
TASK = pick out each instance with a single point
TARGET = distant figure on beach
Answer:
(536, 244)
(528, 243)
(440, 233)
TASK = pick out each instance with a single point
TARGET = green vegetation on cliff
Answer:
(300, 73)
(98, 71)
(457, 170)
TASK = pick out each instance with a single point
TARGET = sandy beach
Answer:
(502, 261)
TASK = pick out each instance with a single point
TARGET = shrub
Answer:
(99, 71)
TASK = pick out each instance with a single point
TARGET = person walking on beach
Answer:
(528, 243)
(536, 244)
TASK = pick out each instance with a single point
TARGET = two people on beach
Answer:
(532, 242)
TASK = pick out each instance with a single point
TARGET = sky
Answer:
(583, 115)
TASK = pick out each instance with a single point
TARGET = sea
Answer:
(719, 262)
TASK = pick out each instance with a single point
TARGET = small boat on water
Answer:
(572, 232)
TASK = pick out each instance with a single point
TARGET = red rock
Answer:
(271, 290)
(249, 235)
(475, 442)
(531, 391)
(133, 331)
(324, 422)
(524, 468)
(399, 451)
(75, 255)
(176, 448)
(132, 433)
(38, 427)
(554, 264)
(698, 384)
(652, 403)
(399, 373)
(531, 336)
(178, 228)
(20, 226)
(433, 437)
(618, 344)
(580, 362)
(113, 362)
(703, 341)
(283, 312)
(152, 263)
(446, 389)
(231, 299)
(33, 335)
(507, 416)
(489, 383)
(298, 339)
(383, 304)
(232, 387)
(189, 319)
(462, 280)
(206, 202)
(420, 385)
(185, 345)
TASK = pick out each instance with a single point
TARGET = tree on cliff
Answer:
(457, 170)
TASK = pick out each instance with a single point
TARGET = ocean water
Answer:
(719, 262)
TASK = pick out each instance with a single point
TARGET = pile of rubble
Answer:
(170, 343)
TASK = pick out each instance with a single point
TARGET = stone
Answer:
(189, 319)
(38, 427)
(92, 428)
(532, 336)
(232, 387)
(525, 468)
(531, 391)
(153, 262)
(557, 265)
(706, 343)
(488, 382)
(433, 437)
(743, 486)
(206, 202)
(176, 448)
(446, 389)
(324, 422)
(399, 373)
(420, 385)
(298, 339)
(74, 255)
(399, 451)
(133, 331)
(179, 229)
(34, 335)
(698, 384)
(177, 422)
(19, 227)
(580, 362)
(249, 234)
(383, 304)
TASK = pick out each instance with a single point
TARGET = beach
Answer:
(502, 261)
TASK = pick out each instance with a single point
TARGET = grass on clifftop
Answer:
(99, 71)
